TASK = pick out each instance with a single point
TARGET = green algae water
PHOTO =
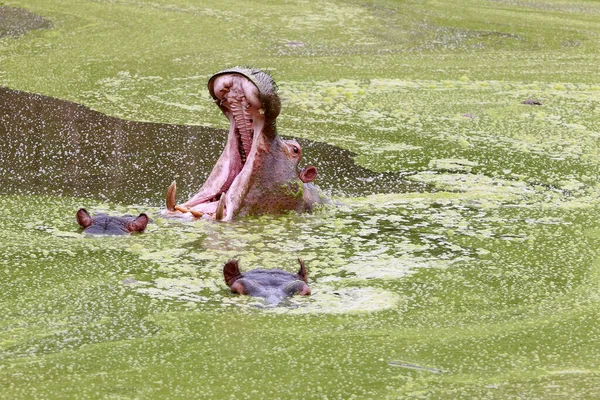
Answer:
(460, 257)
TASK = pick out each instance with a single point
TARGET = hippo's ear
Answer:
(308, 174)
(83, 218)
(231, 272)
(138, 224)
(302, 271)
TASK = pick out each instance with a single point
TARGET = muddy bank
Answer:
(18, 21)
(62, 148)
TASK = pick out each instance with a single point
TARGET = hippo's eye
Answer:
(295, 150)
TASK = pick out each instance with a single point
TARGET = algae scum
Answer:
(460, 259)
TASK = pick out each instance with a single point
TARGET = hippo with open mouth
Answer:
(258, 172)
(273, 285)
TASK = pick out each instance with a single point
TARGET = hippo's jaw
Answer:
(249, 139)
(257, 171)
(243, 96)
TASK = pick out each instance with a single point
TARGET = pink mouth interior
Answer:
(239, 98)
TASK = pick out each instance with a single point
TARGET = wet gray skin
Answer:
(257, 172)
(104, 224)
(273, 285)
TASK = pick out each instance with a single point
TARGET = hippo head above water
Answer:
(274, 285)
(103, 224)
(258, 172)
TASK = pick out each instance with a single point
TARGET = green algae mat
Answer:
(473, 272)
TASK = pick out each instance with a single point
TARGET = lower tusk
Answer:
(171, 196)
(220, 208)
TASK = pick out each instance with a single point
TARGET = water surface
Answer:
(461, 261)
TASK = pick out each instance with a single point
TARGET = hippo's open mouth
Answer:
(239, 97)
(256, 163)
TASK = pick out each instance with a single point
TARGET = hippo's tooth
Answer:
(172, 196)
(220, 208)
(261, 111)
(182, 209)
(242, 122)
(197, 214)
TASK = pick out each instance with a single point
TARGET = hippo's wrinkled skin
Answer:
(274, 285)
(257, 172)
(103, 224)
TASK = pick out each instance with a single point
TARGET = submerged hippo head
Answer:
(274, 285)
(103, 224)
(258, 171)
